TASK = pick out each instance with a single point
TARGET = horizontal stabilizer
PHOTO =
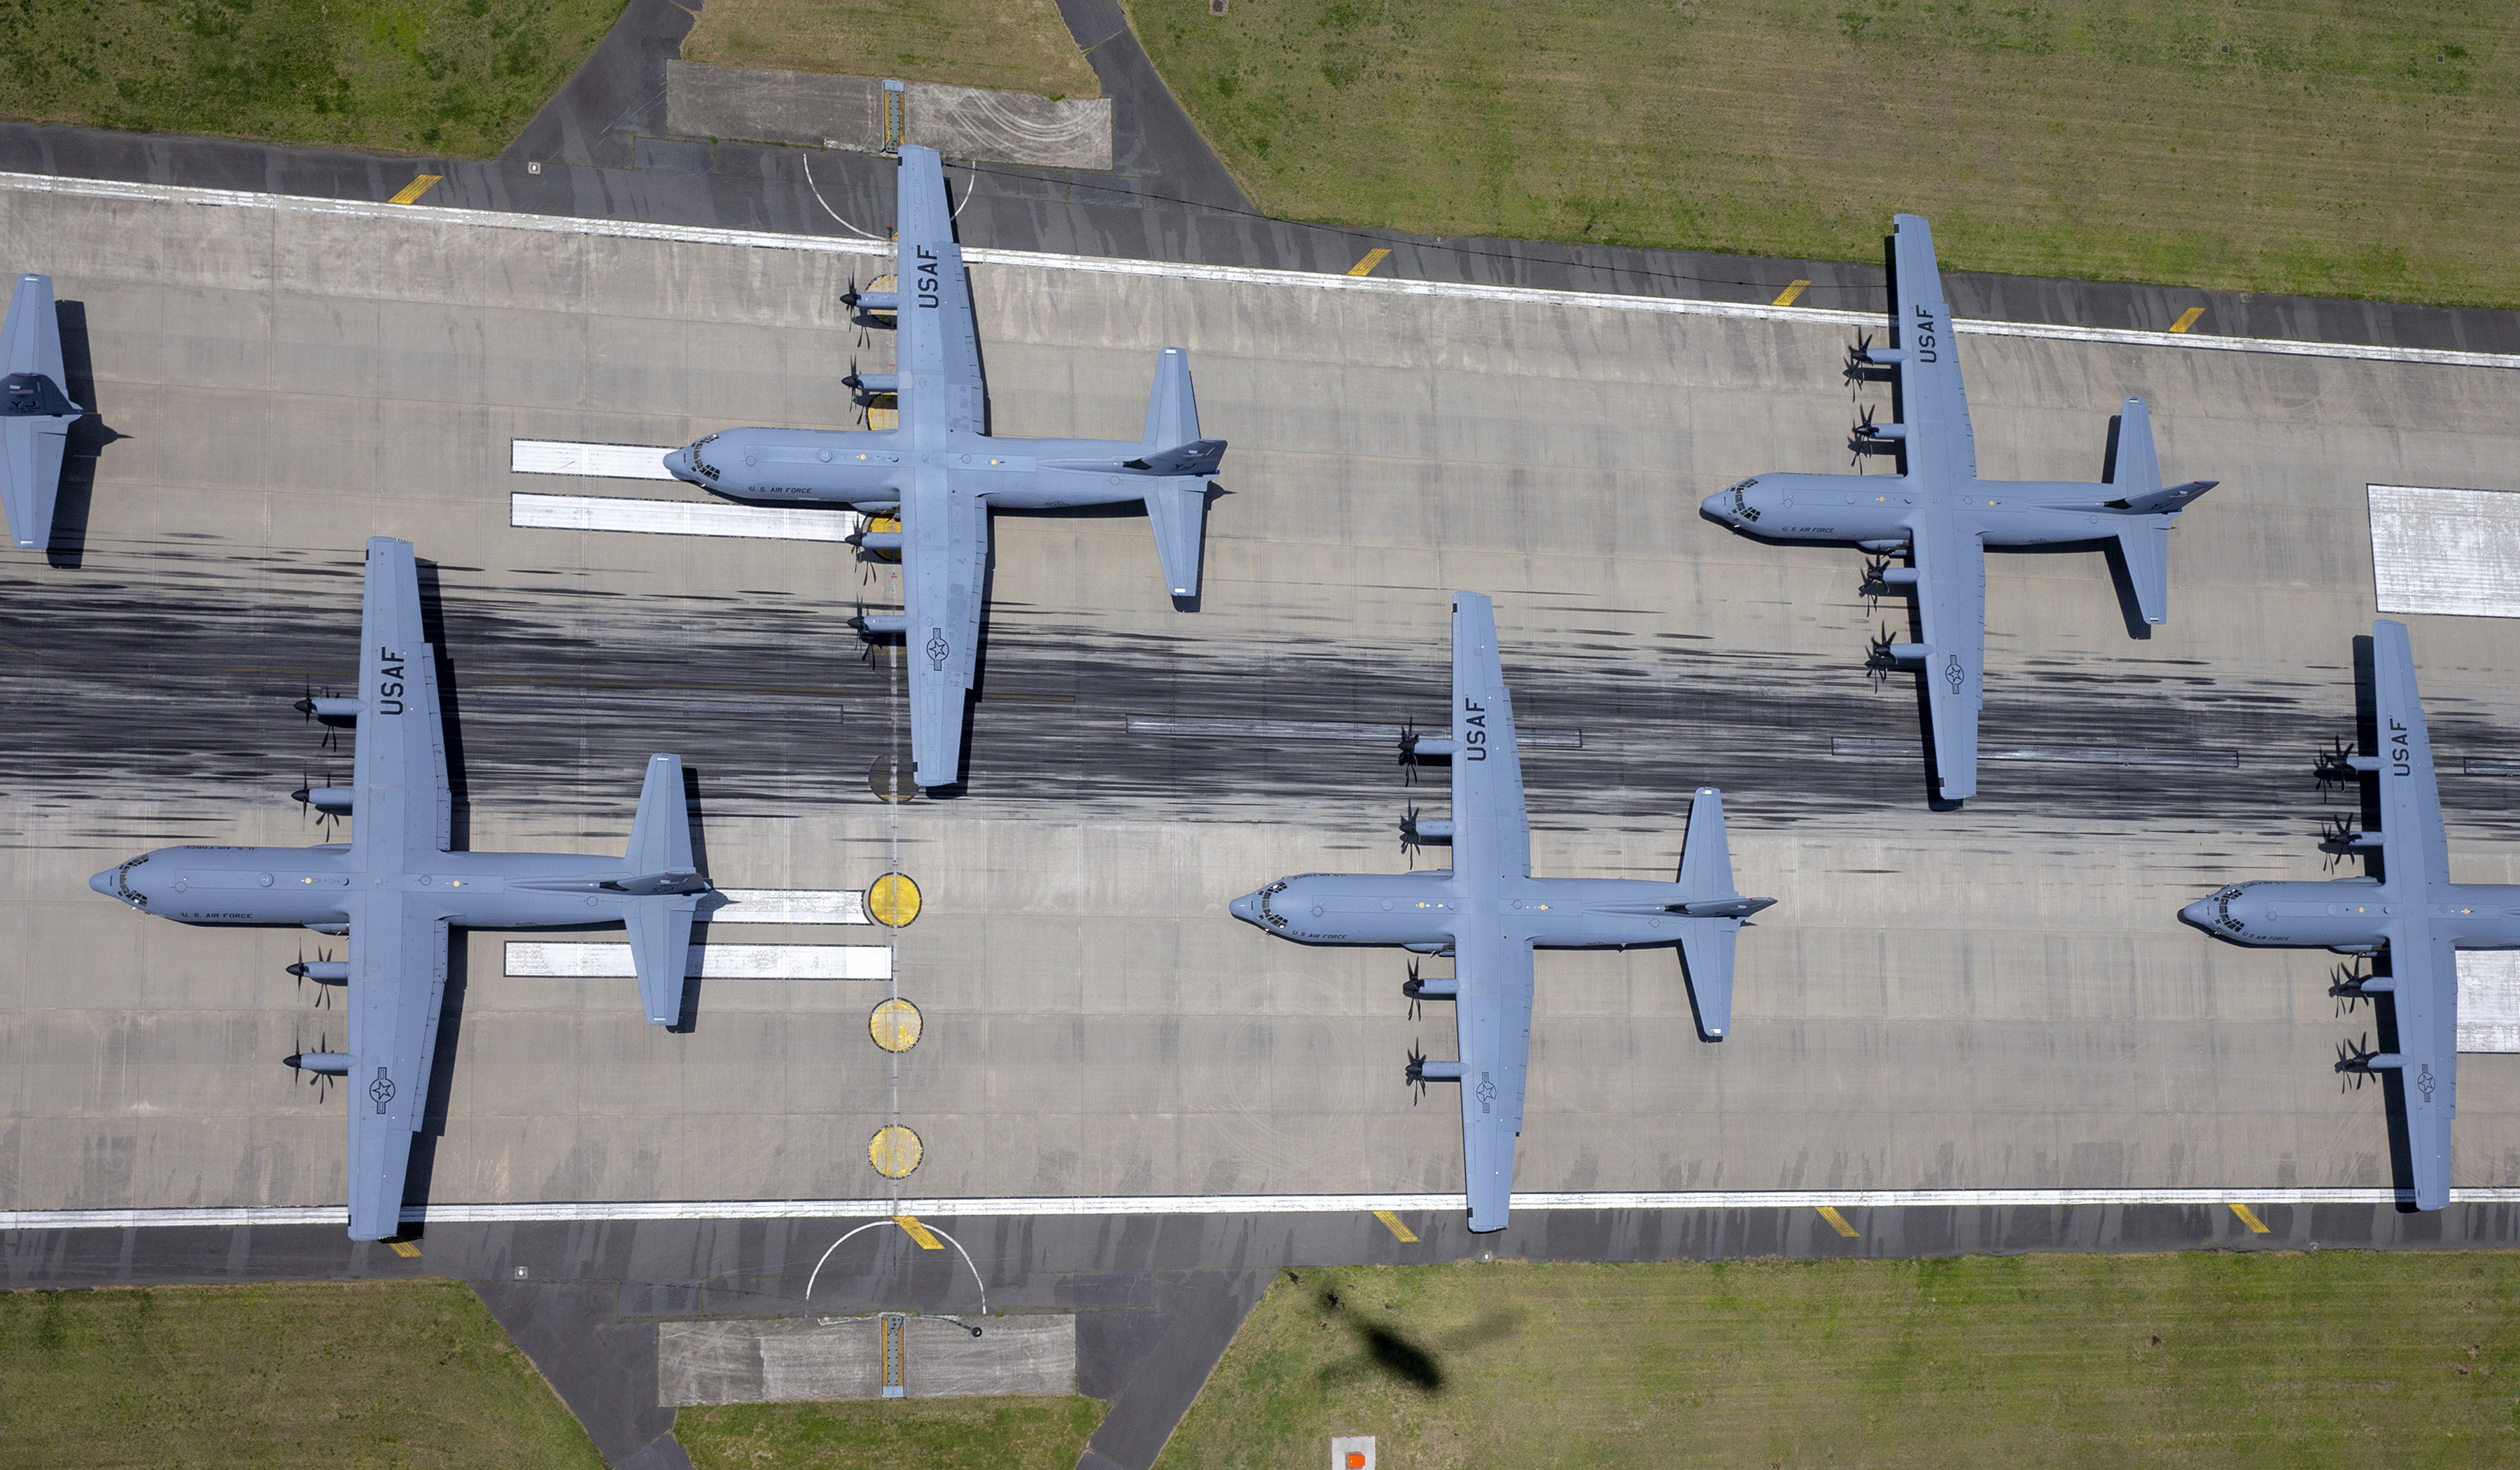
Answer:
(1706, 950)
(30, 337)
(2147, 548)
(660, 947)
(660, 835)
(1177, 511)
(1706, 860)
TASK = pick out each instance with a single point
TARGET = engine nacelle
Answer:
(1429, 745)
(874, 624)
(1438, 1071)
(1882, 547)
(1897, 576)
(876, 541)
(873, 382)
(331, 800)
(323, 972)
(1427, 831)
(329, 1063)
(1901, 655)
(874, 300)
(330, 710)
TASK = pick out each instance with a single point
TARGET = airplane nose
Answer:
(103, 883)
(678, 463)
(1244, 910)
(2198, 914)
(1718, 507)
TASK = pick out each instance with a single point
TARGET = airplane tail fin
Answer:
(1711, 912)
(2134, 474)
(665, 891)
(1177, 505)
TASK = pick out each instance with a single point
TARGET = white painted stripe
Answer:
(680, 517)
(618, 461)
(622, 229)
(1238, 1204)
(792, 906)
(2489, 1001)
(535, 958)
(2451, 551)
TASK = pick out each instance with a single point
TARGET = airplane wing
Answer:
(1495, 1018)
(33, 439)
(398, 984)
(1491, 829)
(2425, 1002)
(2415, 856)
(940, 350)
(400, 802)
(1931, 402)
(944, 566)
(2414, 848)
(1950, 599)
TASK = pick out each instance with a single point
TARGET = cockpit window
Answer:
(1742, 506)
(1275, 920)
(140, 900)
(701, 465)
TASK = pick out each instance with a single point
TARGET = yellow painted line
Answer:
(1392, 1223)
(1791, 291)
(1371, 259)
(2249, 1218)
(405, 1249)
(411, 191)
(2188, 319)
(926, 1237)
(1836, 1222)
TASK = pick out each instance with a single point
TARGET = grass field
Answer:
(934, 1434)
(2327, 151)
(321, 1375)
(457, 79)
(2242, 1359)
(1012, 45)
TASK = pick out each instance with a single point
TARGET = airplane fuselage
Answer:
(315, 886)
(2357, 915)
(1428, 911)
(1882, 509)
(874, 467)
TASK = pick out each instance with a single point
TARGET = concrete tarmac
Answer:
(1993, 998)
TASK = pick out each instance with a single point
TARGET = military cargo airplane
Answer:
(944, 472)
(396, 890)
(1489, 913)
(1938, 512)
(35, 413)
(2407, 913)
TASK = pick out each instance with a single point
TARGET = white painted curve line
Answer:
(792, 906)
(613, 462)
(533, 958)
(406, 214)
(679, 517)
(1234, 1204)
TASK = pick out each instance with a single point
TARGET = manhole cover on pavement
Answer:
(894, 1151)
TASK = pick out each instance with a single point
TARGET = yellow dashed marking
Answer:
(411, 191)
(2249, 1218)
(1836, 1222)
(926, 1237)
(1790, 291)
(1371, 259)
(1391, 1222)
(2188, 319)
(405, 1249)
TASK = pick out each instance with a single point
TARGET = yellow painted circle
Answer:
(894, 1151)
(888, 778)
(893, 901)
(894, 1025)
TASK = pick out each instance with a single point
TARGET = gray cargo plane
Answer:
(396, 891)
(1938, 512)
(2407, 913)
(35, 413)
(945, 473)
(1490, 892)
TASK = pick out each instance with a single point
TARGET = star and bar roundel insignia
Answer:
(938, 647)
(381, 1090)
